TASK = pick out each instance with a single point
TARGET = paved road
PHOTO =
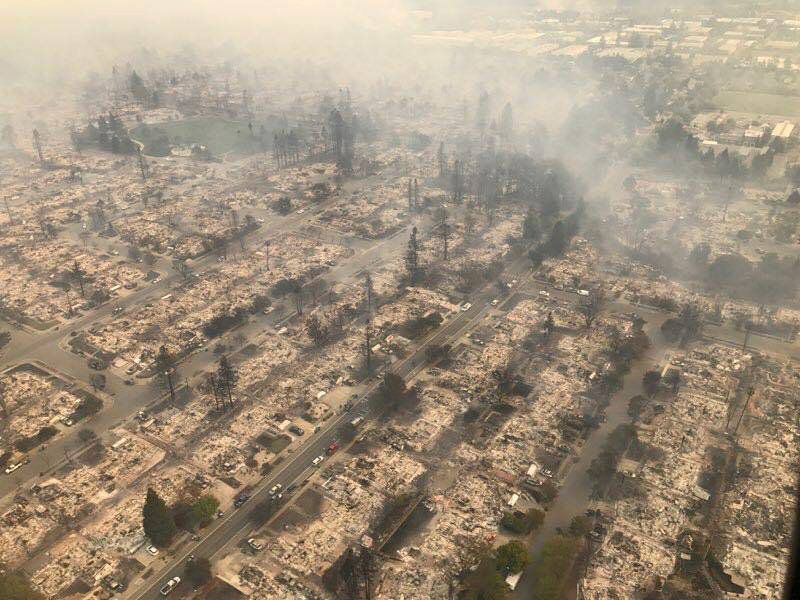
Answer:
(237, 525)
(45, 347)
(575, 489)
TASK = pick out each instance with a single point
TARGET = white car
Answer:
(301, 211)
(152, 550)
(544, 294)
(255, 544)
(11, 468)
(275, 490)
(583, 292)
(495, 302)
(170, 585)
(318, 460)
(466, 306)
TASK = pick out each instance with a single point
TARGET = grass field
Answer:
(758, 103)
(220, 136)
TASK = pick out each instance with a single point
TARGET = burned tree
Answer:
(441, 160)
(227, 377)
(443, 230)
(316, 330)
(37, 144)
(219, 399)
(469, 219)
(549, 324)
(297, 292)
(506, 126)
(181, 267)
(3, 405)
(458, 182)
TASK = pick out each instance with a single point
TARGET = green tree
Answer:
(485, 582)
(393, 387)
(650, 382)
(412, 256)
(580, 525)
(522, 523)
(283, 205)
(227, 376)
(158, 522)
(204, 509)
(553, 567)
(512, 557)
(530, 226)
(184, 515)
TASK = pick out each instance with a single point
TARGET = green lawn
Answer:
(219, 135)
(758, 103)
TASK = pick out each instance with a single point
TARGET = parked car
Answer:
(170, 585)
(276, 490)
(152, 550)
(241, 499)
(255, 544)
(544, 293)
(466, 306)
(12, 467)
(297, 430)
(318, 460)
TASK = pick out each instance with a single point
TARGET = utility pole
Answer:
(368, 290)
(416, 194)
(727, 201)
(750, 392)
(37, 143)
(142, 164)
(171, 386)
(730, 409)
(8, 210)
(213, 384)
(368, 348)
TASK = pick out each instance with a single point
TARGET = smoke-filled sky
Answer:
(45, 39)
